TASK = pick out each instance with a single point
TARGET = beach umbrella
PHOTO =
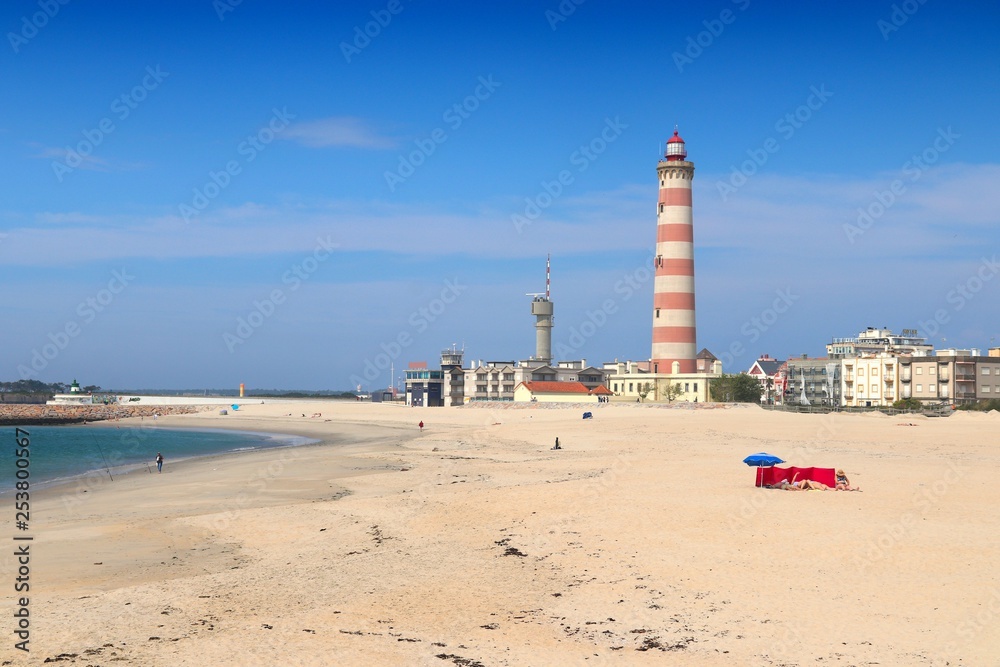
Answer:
(761, 460)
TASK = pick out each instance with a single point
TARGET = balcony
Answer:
(848, 377)
(889, 378)
(905, 375)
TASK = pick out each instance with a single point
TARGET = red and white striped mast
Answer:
(674, 336)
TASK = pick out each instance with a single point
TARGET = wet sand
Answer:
(642, 541)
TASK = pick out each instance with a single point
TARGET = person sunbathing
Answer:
(792, 485)
(804, 485)
(844, 484)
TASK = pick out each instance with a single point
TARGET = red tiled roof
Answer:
(538, 387)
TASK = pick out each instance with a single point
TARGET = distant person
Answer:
(159, 462)
(421, 425)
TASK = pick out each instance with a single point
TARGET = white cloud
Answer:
(338, 131)
(782, 222)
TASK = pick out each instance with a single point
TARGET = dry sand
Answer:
(643, 541)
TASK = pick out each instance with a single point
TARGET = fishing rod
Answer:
(101, 449)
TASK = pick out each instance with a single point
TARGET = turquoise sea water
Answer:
(62, 452)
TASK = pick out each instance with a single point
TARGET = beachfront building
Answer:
(558, 392)
(987, 374)
(871, 381)
(767, 372)
(873, 341)
(424, 387)
(811, 381)
(950, 377)
(497, 380)
(631, 381)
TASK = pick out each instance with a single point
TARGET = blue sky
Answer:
(199, 194)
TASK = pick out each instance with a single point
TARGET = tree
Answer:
(736, 388)
(644, 390)
(908, 404)
(673, 390)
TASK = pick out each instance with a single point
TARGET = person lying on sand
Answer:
(804, 485)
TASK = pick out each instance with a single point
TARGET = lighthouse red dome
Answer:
(675, 147)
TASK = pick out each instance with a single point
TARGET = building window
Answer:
(861, 371)
(686, 386)
(481, 376)
(920, 388)
(920, 370)
(874, 390)
(614, 387)
(985, 389)
(696, 387)
(481, 388)
(931, 388)
(630, 387)
(508, 377)
(508, 388)
(930, 371)
(986, 371)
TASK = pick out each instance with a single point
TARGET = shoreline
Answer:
(280, 441)
(474, 540)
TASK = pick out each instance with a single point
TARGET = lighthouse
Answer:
(674, 340)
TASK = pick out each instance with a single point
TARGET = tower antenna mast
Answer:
(548, 270)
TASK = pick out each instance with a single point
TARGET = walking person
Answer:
(421, 425)
(159, 462)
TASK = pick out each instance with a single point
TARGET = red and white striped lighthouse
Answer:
(673, 291)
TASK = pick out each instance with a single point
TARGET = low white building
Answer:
(632, 381)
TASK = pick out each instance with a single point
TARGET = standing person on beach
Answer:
(159, 462)
(421, 425)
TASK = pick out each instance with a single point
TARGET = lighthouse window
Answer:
(657, 312)
(661, 208)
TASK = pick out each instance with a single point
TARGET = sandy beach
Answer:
(642, 541)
